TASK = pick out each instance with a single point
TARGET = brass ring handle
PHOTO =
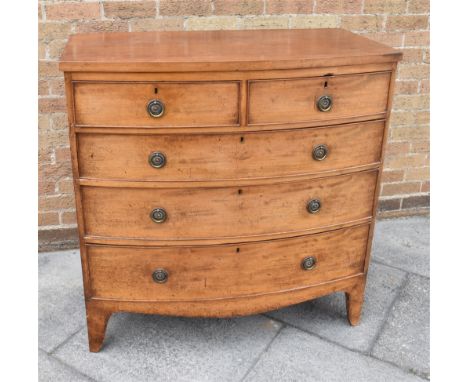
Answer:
(313, 206)
(324, 103)
(309, 263)
(155, 108)
(160, 276)
(157, 159)
(158, 215)
(320, 152)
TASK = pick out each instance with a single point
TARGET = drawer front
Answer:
(228, 212)
(226, 270)
(228, 156)
(185, 104)
(295, 100)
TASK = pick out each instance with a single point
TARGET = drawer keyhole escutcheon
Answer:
(160, 276)
(324, 103)
(320, 152)
(313, 206)
(157, 159)
(158, 215)
(155, 108)
(309, 263)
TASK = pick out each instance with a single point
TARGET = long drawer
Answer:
(227, 212)
(318, 99)
(228, 270)
(174, 104)
(211, 157)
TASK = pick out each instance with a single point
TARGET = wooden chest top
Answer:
(221, 50)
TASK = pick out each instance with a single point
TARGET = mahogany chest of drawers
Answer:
(225, 173)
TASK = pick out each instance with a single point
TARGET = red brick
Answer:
(417, 38)
(57, 239)
(53, 31)
(129, 9)
(421, 173)
(392, 189)
(425, 186)
(48, 218)
(184, 8)
(410, 71)
(288, 6)
(101, 26)
(59, 121)
(68, 217)
(238, 7)
(43, 87)
(72, 11)
(409, 133)
(385, 6)
(406, 87)
(49, 69)
(57, 86)
(390, 176)
(408, 161)
(416, 201)
(65, 186)
(394, 39)
(420, 146)
(51, 105)
(424, 87)
(362, 23)
(56, 202)
(62, 154)
(411, 55)
(397, 148)
(389, 204)
(406, 23)
(418, 6)
(338, 6)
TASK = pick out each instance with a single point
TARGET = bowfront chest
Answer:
(225, 173)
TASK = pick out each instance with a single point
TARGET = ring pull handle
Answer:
(157, 159)
(160, 276)
(309, 263)
(324, 103)
(313, 206)
(155, 108)
(320, 152)
(158, 215)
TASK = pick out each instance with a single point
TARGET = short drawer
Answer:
(302, 100)
(172, 104)
(192, 157)
(191, 273)
(227, 212)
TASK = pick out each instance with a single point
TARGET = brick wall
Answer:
(403, 24)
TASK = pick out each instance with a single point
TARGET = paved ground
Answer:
(308, 342)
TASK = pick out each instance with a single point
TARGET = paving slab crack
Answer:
(399, 269)
(364, 354)
(51, 352)
(67, 366)
(387, 313)
(265, 350)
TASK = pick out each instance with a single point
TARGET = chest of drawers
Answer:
(225, 173)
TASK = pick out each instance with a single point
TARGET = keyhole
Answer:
(239, 191)
(325, 85)
(242, 139)
(237, 250)
(155, 90)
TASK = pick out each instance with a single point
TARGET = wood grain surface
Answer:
(210, 157)
(294, 100)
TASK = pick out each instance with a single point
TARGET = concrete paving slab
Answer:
(327, 317)
(403, 243)
(298, 356)
(53, 370)
(405, 339)
(148, 348)
(61, 305)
